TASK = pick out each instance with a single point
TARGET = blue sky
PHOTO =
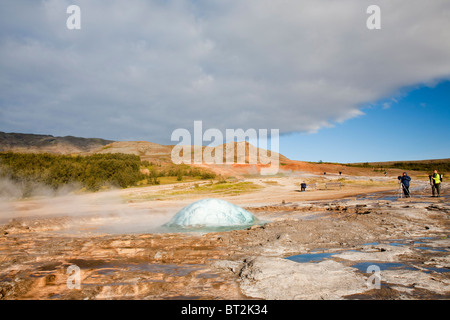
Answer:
(414, 126)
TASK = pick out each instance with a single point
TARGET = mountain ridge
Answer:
(162, 154)
(28, 143)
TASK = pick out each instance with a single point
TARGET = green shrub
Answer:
(92, 172)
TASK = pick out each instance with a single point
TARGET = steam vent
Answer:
(212, 213)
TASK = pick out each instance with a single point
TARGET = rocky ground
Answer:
(353, 245)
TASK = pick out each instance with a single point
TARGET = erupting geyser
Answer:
(212, 213)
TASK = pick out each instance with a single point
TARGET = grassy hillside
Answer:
(91, 172)
(442, 165)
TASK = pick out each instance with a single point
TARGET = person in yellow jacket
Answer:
(435, 181)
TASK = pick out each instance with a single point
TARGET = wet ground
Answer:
(312, 249)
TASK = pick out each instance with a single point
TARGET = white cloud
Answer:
(139, 69)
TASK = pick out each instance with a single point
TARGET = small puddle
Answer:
(378, 196)
(410, 242)
(416, 192)
(439, 270)
(363, 266)
(176, 270)
(432, 249)
(398, 244)
(316, 257)
(315, 216)
(388, 198)
(395, 242)
(312, 257)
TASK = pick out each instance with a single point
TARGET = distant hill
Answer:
(152, 152)
(442, 165)
(387, 163)
(161, 155)
(36, 143)
(158, 153)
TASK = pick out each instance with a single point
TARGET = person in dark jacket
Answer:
(303, 186)
(405, 179)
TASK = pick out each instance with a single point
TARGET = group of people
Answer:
(435, 181)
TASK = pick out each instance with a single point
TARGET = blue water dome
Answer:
(212, 213)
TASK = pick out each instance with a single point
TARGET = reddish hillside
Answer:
(161, 155)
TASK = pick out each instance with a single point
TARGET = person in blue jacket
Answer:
(405, 179)
(303, 186)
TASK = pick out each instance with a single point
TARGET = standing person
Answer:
(405, 179)
(385, 173)
(435, 181)
(303, 186)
